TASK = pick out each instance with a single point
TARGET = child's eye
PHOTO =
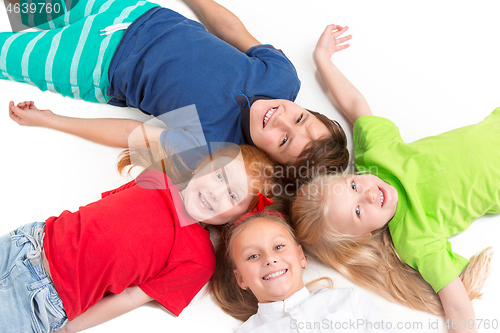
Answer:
(358, 211)
(279, 247)
(299, 119)
(218, 173)
(353, 186)
(233, 196)
(285, 139)
(253, 256)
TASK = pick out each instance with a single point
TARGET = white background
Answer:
(428, 66)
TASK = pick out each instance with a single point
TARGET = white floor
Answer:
(428, 66)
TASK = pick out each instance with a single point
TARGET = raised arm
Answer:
(223, 24)
(108, 308)
(349, 99)
(460, 316)
(123, 133)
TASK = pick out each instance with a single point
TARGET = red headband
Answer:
(259, 208)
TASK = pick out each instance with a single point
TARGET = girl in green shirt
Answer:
(388, 227)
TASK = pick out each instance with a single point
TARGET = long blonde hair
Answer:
(371, 262)
(258, 166)
(238, 303)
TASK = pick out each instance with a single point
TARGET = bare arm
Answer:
(349, 99)
(123, 133)
(457, 307)
(108, 308)
(223, 24)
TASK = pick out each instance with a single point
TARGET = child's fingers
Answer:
(25, 104)
(328, 30)
(340, 31)
(32, 105)
(11, 106)
(342, 39)
(29, 104)
(342, 47)
(334, 26)
(331, 28)
(12, 113)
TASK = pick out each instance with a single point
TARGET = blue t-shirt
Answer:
(166, 61)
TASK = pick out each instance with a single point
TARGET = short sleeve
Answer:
(119, 189)
(177, 285)
(152, 180)
(280, 75)
(370, 131)
(184, 145)
(269, 53)
(437, 263)
(185, 136)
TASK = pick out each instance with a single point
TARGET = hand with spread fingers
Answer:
(331, 41)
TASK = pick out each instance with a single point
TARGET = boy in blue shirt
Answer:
(242, 90)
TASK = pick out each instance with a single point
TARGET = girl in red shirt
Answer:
(146, 240)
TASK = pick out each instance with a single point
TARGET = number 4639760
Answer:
(471, 323)
(33, 8)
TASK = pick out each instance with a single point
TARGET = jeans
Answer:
(28, 299)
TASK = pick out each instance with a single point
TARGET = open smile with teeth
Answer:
(278, 273)
(382, 199)
(268, 116)
(204, 202)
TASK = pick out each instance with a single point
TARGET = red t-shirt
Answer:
(131, 237)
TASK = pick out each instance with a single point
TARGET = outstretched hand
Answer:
(27, 114)
(330, 42)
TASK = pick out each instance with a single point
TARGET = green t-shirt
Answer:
(444, 182)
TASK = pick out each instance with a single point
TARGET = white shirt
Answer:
(322, 310)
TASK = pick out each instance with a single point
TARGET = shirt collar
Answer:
(289, 303)
(245, 104)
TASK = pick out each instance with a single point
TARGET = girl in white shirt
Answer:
(258, 278)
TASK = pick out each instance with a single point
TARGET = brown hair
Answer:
(239, 303)
(371, 262)
(325, 155)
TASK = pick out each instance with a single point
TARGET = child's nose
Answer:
(270, 259)
(217, 192)
(370, 196)
(281, 121)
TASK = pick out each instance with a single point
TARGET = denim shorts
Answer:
(28, 300)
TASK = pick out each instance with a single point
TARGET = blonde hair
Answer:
(238, 303)
(371, 262)
(258, 166)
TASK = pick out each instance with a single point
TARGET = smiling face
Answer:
(268, 261)
(360, 204)
(219, 196)
(282, 128)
